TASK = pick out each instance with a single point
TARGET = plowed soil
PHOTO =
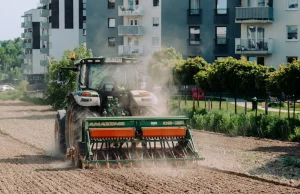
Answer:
(232, 165)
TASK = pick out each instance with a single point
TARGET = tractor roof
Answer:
(103, 60)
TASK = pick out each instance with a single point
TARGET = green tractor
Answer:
(109, 120)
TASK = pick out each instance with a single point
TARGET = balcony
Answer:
(43, 63)
(44, 25)
(130, 50)
(45, 1)
(26, 24)
(27, 45)
(44, 51)
(254, 15)
(253, 46)
(45, 13)
(130, 30)
(131, 11)
(45, 38)
(26, 35)
(194, 16)
(26, 56)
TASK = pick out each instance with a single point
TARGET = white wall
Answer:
(62, 39)
(36, 62)
(277, 30)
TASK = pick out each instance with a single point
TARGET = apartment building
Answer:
(137, 28)
(56, 25)
(33, 59)
(269, 31)
(67, 27)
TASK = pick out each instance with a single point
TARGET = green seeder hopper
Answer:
(130, 140)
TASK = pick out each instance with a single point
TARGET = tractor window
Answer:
(112, 77)
(82, 74)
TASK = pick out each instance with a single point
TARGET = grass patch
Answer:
(291, 161)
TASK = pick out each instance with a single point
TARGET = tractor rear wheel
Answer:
(74, 118)
(59, 135)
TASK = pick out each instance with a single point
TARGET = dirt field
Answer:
(232, 165)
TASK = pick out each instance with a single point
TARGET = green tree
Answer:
(162, 64)
(287, 79)
(186, 70)
(56, 94)
(10, 52)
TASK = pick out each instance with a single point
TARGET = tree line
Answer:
(239, 77)
(10, 60)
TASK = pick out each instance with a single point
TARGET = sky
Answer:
(10, 17)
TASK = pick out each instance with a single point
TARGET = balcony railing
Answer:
(194, 16)
(131, 11)
(43, 62)
(26, 35)
(253, 46)
(45, 1)
(44, 25)
(254, 15)
(27, 45)
(45, 37)
(45, 13)
(26, 24)
(44, 50)
(130, 30)
(130, 50)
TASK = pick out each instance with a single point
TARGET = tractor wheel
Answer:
(74, 118)
(59, 135)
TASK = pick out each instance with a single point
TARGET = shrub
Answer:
(266, 126)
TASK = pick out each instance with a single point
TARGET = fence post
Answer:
(246, 106)
(294, 113)
(205, 102)
(226, 104)
(179, 101)
(209, 107)
(266, 107)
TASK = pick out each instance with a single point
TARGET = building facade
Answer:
(204, 28)
(67, 26)
(269, 31)
(33, 59)
(49, 30)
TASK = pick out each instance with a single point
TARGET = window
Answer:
(292, 32)
(221, 33)
(194, 7)
(292, 4)
(155, 41)
(195, 35)
(111, 22)
(220, 58)
(291, 59)
(221, 6)
(111, 41)
(111, 4)
(259, 60)
(155, 21)
(155, 3)
(84, 32)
